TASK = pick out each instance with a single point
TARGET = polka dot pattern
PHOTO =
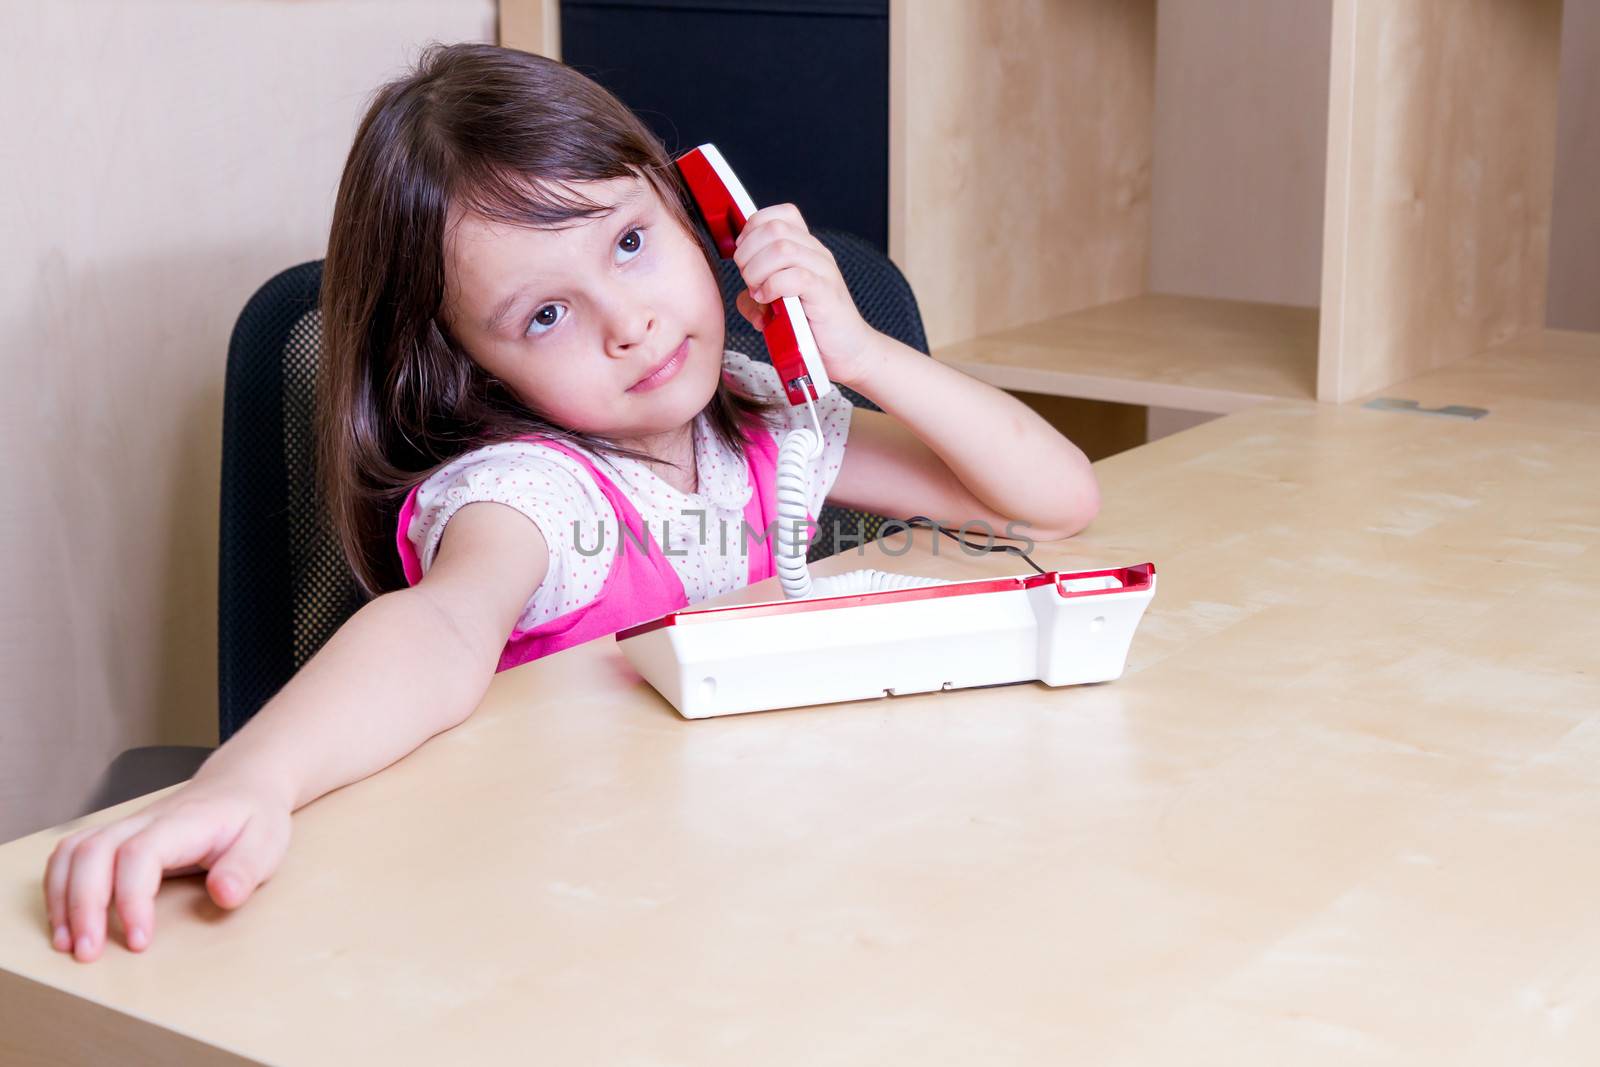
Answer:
(560, 496)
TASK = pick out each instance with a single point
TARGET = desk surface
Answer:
(1344, 805)
(1545, 377)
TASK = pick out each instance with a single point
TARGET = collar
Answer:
(723, 472)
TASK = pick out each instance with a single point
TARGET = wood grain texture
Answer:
(1020, 165)
(1098, 427)
(1575, 212)
(41, 1026)
(1441, 155)
(1344, 804)
(1168, 351)
(1543, 377)
(899, 162)
(531, 26)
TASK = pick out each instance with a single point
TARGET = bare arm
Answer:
(406, 666)
(949, 446)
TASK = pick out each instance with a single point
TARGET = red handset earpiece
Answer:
(726, 207)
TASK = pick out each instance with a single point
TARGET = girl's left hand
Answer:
(778, 257)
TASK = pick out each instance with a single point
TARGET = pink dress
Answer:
(641, 584)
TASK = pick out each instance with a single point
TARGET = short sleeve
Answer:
(834, 412)
(556, 492)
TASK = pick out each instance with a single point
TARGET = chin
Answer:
(676, 404)
(697, 383)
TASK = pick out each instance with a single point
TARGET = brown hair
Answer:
(488, 130)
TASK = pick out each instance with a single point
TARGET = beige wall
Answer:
(1241, 133)
(159, 161)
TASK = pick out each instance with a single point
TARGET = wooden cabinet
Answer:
(1022, 163)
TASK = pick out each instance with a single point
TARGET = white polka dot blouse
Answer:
(555, 492)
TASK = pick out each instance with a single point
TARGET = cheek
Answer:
(706, 298)
(692, 282)
(560, 390)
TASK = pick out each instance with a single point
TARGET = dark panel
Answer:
(794, 92)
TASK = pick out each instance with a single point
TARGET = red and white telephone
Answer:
(869, 633)
(726, 207)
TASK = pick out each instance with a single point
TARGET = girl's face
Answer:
(575, 320)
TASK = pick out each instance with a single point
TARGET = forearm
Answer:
(1004, 452)
(392, 676)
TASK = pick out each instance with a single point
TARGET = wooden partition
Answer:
(1021, 212)
(532, 26)
(1020, 183)
(1020, 200)
(1441, 173)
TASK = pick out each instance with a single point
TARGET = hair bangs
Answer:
(515, 198)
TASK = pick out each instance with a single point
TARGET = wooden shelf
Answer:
(1016, 195)
(1180, 352)
(1547, 377)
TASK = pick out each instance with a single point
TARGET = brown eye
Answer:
(545, 318)
(631, 242)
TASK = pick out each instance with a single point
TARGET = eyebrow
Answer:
(502, 310)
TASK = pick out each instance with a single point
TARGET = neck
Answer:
(672, 455)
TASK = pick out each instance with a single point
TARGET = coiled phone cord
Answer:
(799, 447)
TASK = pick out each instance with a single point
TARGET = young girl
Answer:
(523, 353)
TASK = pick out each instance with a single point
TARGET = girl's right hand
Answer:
(239, 831)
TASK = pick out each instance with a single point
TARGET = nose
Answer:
(629, 324)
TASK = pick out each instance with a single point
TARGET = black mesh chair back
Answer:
(283, 584)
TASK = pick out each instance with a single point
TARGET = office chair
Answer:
(283, 585)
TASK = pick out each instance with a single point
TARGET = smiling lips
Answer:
(663, 371)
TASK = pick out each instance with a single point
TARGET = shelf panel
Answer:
(1548, 377)
(1183, 352)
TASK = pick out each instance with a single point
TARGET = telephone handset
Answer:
(726, 207)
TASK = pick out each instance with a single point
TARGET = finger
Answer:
(754, 313)
(56, 870)
(756, 236)
(762, 229)
(784, 213)
(779, 256)
(89, 888)
(753, 239)
(253, 856)
(791, 281)
(173, 846)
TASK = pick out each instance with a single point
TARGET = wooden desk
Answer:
(1544, 377)
(1344, 807)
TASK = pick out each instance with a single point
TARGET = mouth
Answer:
(663, 371)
